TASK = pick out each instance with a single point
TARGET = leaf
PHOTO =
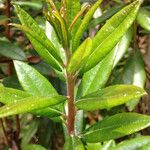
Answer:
(36, 84)
(143, 18)
(29, 132)
(72, 8)
(123, 46)
(97, 77)
(109, 97)
(30, 104)
(116, 26)
(32, 81)
(34, 5)
(9, 95)
(11, 50)
(80, 56)
(39, 47)
(38, 38)
(133, 73)
(115, 127)
(133, 144)
(84, 25)
(94, 146)
(33, 147)
(105, 16)
(73, 143)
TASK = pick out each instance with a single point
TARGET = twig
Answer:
(7, 32)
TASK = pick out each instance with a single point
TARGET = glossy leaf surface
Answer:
(9, 95)
(109, 97)
(133, 144)
(30, 104)
(38, 38)
(116, 26)
(143, 18)
(72, 8)
(104, 16)
(39, 47)
(80, 56)
(10, 50)
(117, 126)
(73, 143)
(36, 84)
(84, 24)
(32, 81)
(97, 77)
(33, 147)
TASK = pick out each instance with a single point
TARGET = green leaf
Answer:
(123, 46)
(109, 97)
(105, 16)
(38, 38)
(33, 147)
(110, 34)
(84, 25)
(9, 95)
(133, 144)
(40, 47)
(32, 81)
(29, 132)
(115, 127)
(73, 143)
(11, 50)
(94, 146)
(36, 84)
(97, 77)
(143, 18)
(34, 5)
(133, 73)
(72, 8)
(30, 104)
(80, 56)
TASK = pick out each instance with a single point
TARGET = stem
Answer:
(5, 133)
(17, 126)
(71, 106)
(7, 32)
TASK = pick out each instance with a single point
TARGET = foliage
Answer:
(82, 65)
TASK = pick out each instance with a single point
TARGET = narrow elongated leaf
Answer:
(109, 97)
(9, 95)
(36, 84)
(10, 50)
(110, 34)
(41, 39)
(143, 18)
(133, 144)
(29, 132)
(33, 147)
(97, 77)
(72, 8)
(80, 56)
(34, 5)
(84, 24)
(133, 73)
(40, 47)
(105, 16)
(115, 127)
(32, 81)
(30, 104)
(73, 143)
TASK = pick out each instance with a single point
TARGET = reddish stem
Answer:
(7, 32)
(71, 106)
